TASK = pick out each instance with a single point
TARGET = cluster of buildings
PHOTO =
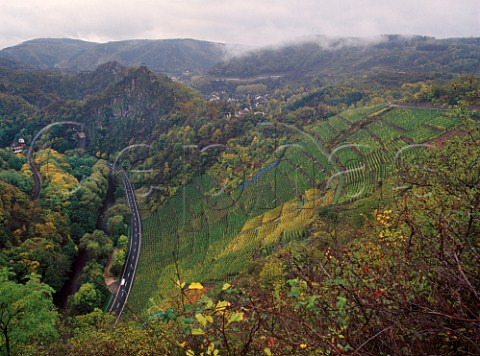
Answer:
(244, 104)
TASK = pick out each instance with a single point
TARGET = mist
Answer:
(243, 23)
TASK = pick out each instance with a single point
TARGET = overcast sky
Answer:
(252, 22)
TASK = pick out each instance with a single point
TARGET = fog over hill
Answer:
(323, 56)
(311, 59)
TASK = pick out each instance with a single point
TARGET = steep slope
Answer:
(117, 104)
(41, 88)
(132, 108)
(212, 237)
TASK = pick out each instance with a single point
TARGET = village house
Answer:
(18, 147)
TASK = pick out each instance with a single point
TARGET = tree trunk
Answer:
(7, 341)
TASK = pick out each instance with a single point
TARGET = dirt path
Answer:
(108, 276)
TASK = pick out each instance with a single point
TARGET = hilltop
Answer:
(173, 56)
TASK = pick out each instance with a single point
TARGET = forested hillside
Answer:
(166, 56)
(323, 60)
(298, 216)
(318, 60)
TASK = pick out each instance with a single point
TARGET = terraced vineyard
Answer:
(325, 131)
(215, 234)
(369, 155)
(354, 115)
(410, 119)
(383, 132)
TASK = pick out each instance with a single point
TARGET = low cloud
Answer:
(239, 22)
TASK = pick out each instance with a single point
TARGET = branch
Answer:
(464, 276)
(301, 322)
(370, 339)
(450, 317)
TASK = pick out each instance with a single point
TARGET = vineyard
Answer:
(212, 234)
(354, 115)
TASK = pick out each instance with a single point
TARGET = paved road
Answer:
(131, 262)
(37, 183)
(36, 177)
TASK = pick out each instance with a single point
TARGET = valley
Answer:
(197, 229)
(290, 200)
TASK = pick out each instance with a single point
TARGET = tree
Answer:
(117, 226)
(27, 313)
(93, 272)
(17, 179)
(97, 244)
(88, 198)
(118, 259)
(86, 299)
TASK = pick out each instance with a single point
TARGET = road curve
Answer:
(131, 261)
(36, 177)
(37, 183)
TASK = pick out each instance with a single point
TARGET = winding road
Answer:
(135, 242)
(37, 183)
(36, 177)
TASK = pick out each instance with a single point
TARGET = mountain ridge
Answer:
(309, 58)
(173, 56)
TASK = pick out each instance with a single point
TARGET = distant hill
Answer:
(387, 60)
(328, 60)
(173, 56)
(12, 64)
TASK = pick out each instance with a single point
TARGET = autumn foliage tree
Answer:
(27, 315)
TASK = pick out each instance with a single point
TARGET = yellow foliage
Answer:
(388, 234)
(252, 223)
(222, 306)
(195, 286)
(26, 171)
(268, 228)
(271, 215)
(52, 166)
